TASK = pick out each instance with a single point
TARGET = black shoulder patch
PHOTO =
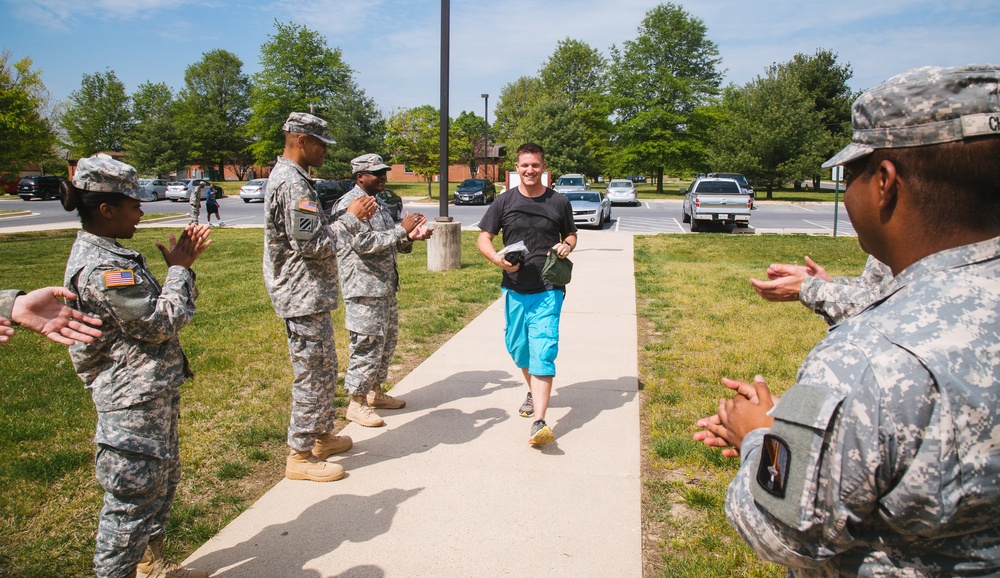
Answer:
(772, 473)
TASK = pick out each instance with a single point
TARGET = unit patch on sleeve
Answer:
(772, 473)
(307, 205)
(121, 278)
(306, 224)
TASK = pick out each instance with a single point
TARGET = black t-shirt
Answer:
(540, 222)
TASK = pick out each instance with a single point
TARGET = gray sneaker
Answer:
(528, 407)
(540, 434)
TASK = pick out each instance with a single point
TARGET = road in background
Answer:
(650, 217)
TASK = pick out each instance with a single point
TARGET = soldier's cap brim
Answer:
(851, 152)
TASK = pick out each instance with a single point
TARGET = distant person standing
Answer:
(300, 273)
(543, 219)
(369, 280)
(134, 371)
(196, 202)
(212, 206)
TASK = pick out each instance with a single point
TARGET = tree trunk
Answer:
(659, 180)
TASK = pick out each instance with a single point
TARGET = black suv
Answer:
(44, 187)
(329, 192)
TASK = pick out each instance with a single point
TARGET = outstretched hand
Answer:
(362, 207)
(421, 232)
(411, 221)
(716, 430)
(186, 250)
(41, 311)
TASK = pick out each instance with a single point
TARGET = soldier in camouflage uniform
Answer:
(42, 312)
(300, 273)
(196, 202)
(135, 369)
(369, 279)
(835, 299)
(883, 459)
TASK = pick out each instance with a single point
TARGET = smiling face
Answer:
(372, 183)
(530, 167)
(126, 217)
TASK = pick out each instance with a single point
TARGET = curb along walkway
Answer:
(450, 487)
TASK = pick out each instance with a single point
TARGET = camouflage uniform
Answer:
(883, 459)
(300, 273)
(134, 372)
(7, 302)
(196, 203)
(891, 434)
(842, 297)
(369, 279)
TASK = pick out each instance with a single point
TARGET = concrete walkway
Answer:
(451, 488)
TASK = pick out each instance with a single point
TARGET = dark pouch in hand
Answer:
(557, 271)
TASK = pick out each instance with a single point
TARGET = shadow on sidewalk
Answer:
(283, 549)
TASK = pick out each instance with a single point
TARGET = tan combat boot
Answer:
(329, 444)
(306, 466)
(380, 400)
(361, 413)
(154, 565)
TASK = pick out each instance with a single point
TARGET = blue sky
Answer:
(393, 45)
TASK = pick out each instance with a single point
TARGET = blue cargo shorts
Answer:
(532, 332)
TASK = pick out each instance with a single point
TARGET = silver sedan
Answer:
(590, 208)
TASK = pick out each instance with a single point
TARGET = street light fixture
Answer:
(486, 133)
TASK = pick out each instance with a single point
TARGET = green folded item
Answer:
(557, 271)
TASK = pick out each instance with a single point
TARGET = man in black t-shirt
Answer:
(543, 220)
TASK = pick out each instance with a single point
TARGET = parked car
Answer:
(478, 191)
(712, 200)
(39, 187)
(637, 178)
(178, 190)
(253, 190)
(156, 186)
(590, 208)
(622, 191)
(571, 182)
(743, 182)
(329, 192)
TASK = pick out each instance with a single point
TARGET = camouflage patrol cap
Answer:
(925, 106)
(369, 163)
(106, 175)
(305, 123)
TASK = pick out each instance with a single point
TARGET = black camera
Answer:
(514, 257)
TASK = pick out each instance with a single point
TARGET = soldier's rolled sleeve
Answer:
(7, 303)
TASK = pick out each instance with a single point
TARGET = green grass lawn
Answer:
(699, 320)
(234, 412)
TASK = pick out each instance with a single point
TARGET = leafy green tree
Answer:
(515, 102)
(157, 146)
(357, 125)
(658, 81)
(578, 72)
(466, 142)
(824, 81)
(555, 126)
(213, 108)
(99, 115)
(413, 137)
(299, 72)
(771, 132)
(26, 135)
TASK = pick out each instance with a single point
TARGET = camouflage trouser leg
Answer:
(138, 493)
(314, 364)
(374, 329)
(195, 213)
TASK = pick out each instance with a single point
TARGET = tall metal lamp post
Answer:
(486, 134)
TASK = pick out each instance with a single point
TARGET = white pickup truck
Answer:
(714, 200)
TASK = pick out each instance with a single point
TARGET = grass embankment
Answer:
(234, 412)
(700, 321)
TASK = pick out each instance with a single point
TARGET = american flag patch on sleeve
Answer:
(122, 278)
(307, 205)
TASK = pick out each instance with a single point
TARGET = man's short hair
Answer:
(531, 149)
